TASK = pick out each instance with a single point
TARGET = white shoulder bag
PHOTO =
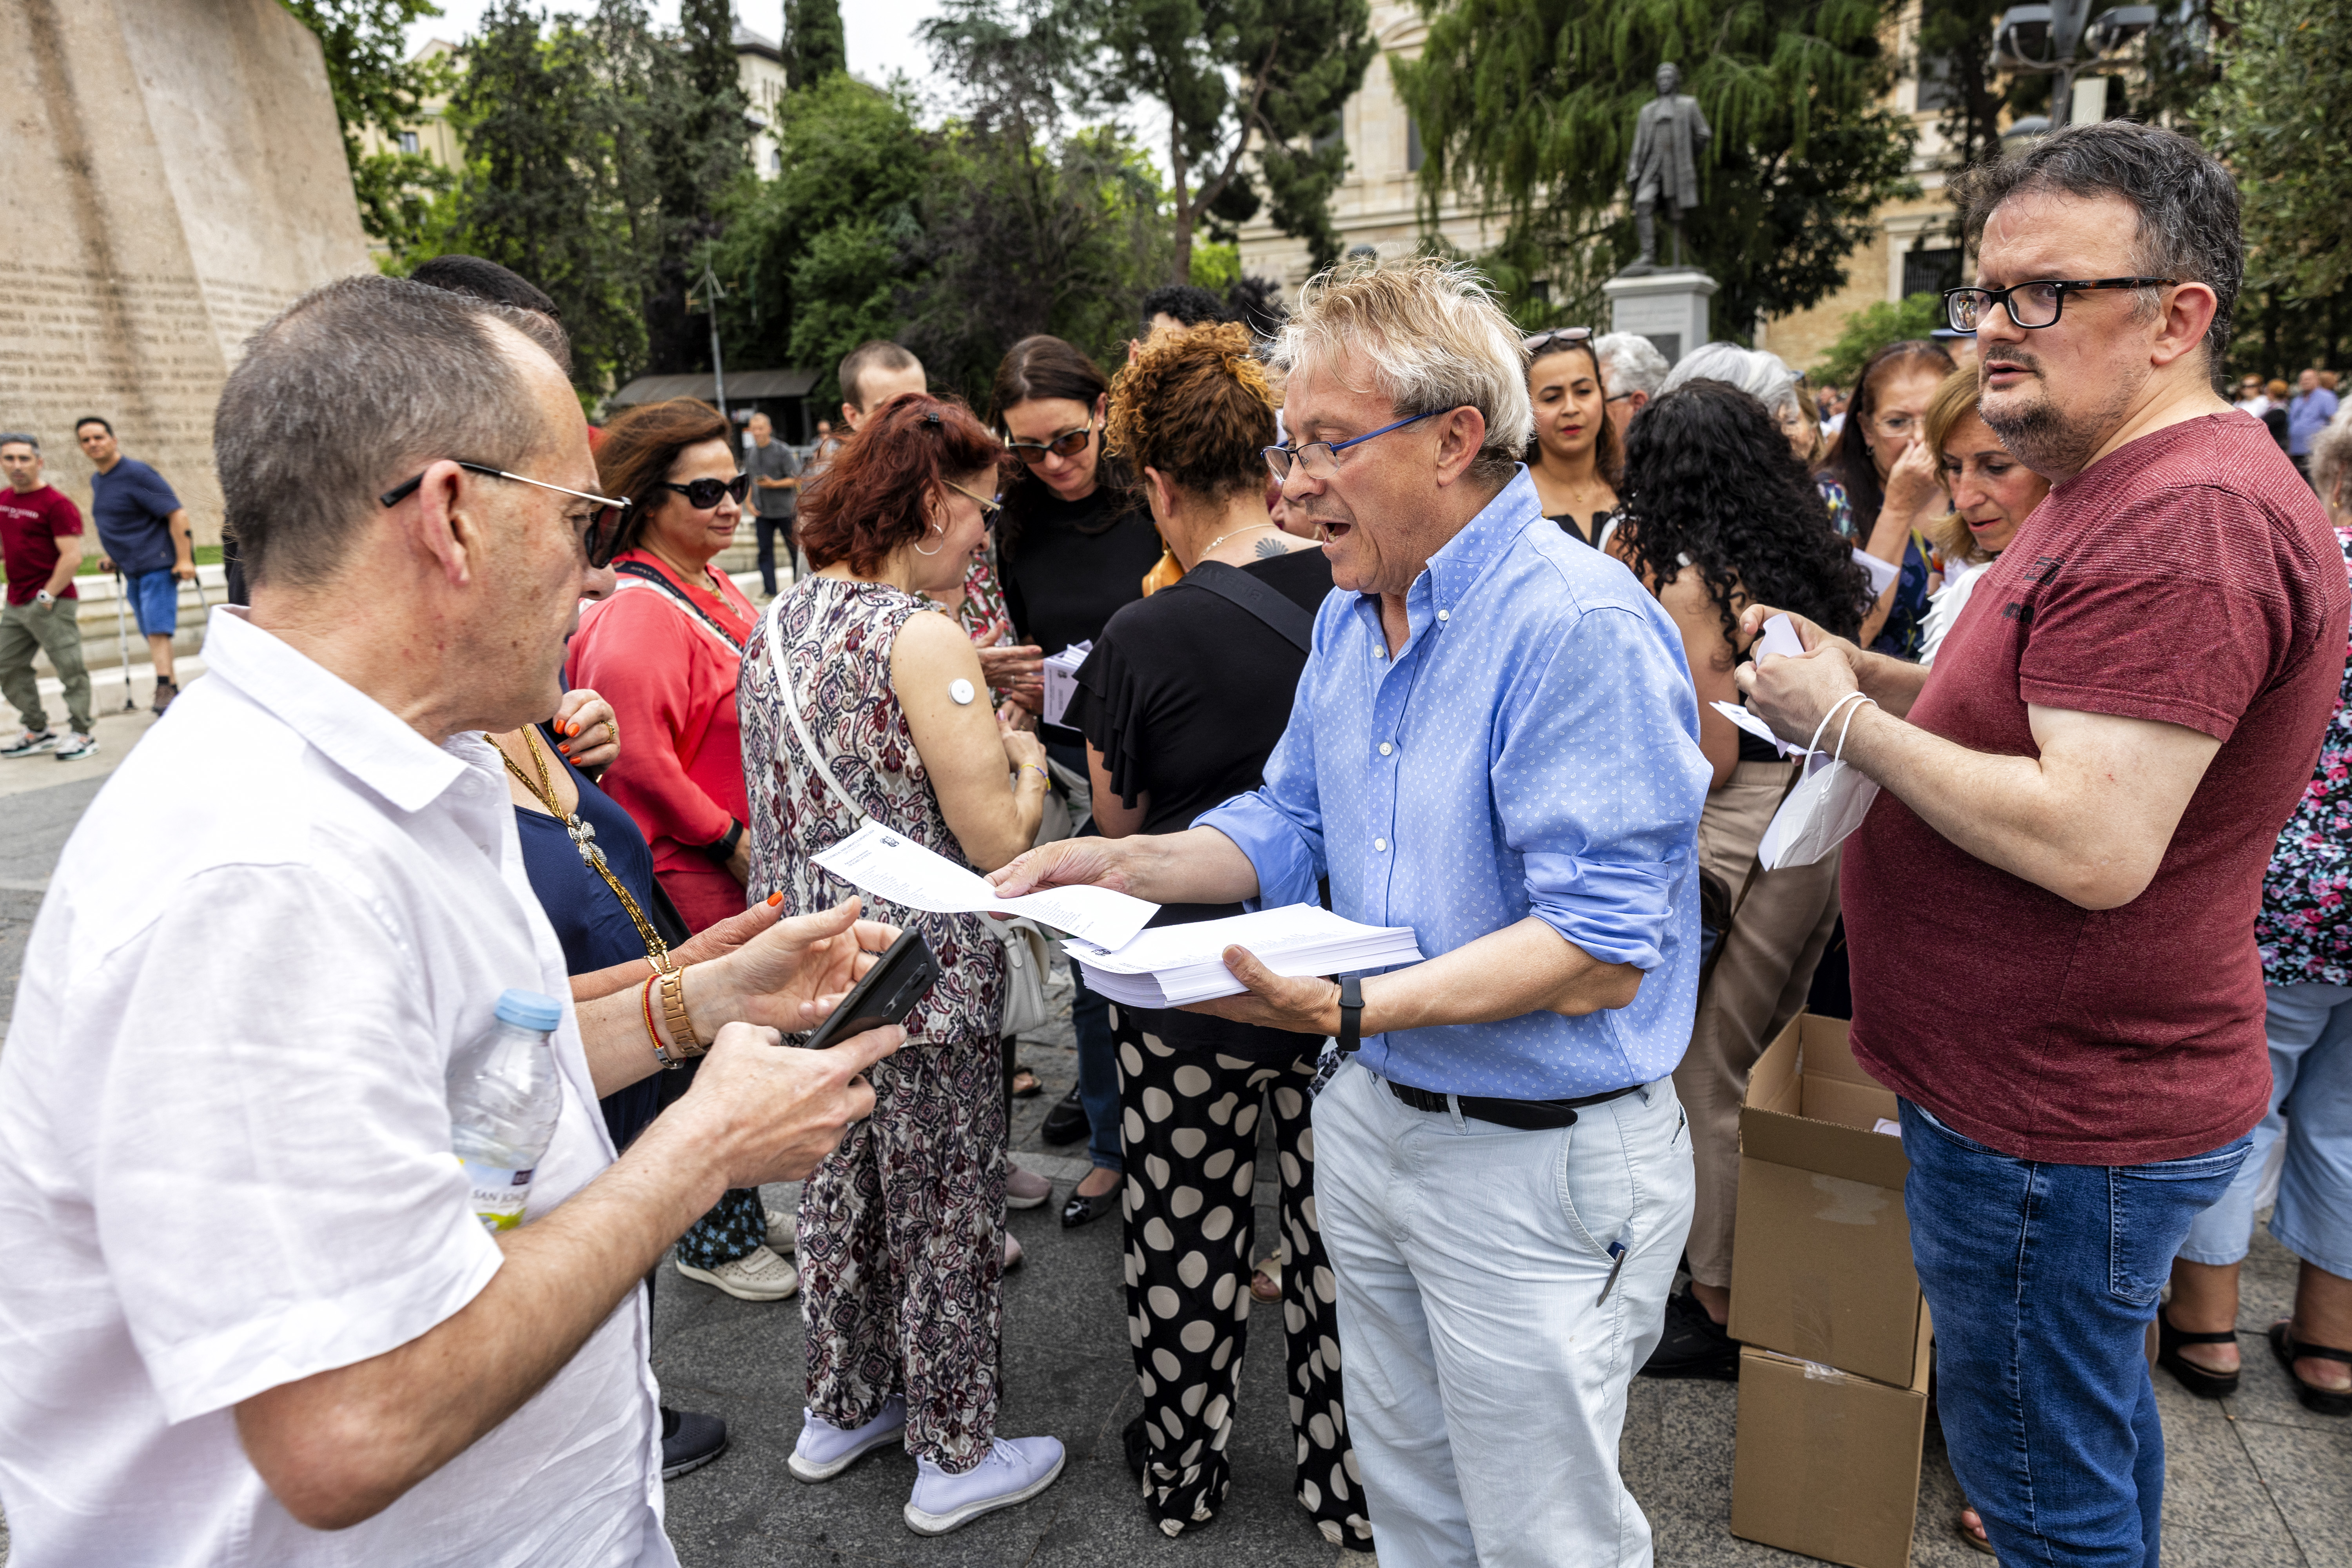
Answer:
(1828, 804)
(1026, 953)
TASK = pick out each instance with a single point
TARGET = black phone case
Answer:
(888, 993)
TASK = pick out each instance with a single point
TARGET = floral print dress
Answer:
(902, 1226)
(2303, 931)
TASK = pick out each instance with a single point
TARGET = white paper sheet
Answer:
(1061, 679)
(891, 866)
(1882, 572)
(1205, 941)
(1780, 639)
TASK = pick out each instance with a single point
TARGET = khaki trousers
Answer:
(57, 632)
(1777, 937)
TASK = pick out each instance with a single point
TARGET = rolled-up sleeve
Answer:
(1604, 832)
(1279, 825)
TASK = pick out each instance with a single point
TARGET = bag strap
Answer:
(774, 620)
(1755, 868)
(1237, 587)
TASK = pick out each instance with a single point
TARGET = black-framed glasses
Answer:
(1542, 343)
(1068, 444)
(704, 494)
(1321, 458)
(598, 536)
(2031, 305)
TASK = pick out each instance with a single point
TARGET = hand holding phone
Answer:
(886, 993)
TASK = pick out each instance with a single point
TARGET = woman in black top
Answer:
(1073, 545)
(1719, 515)
(1574, 459)
(1182, 699)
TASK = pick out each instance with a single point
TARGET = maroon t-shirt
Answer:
(2188, 576)
(29, 526)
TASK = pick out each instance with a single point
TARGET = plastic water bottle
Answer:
(503, 1116)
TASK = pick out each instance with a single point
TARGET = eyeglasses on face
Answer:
(991, 509)
(1068, 444)
(2031, 305)
(1321, 459)
(598, 534)
(1542, 343)
(703, 494)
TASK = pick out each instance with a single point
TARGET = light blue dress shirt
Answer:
(1531, 749)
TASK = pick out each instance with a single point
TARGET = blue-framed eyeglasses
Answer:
(1321, 458)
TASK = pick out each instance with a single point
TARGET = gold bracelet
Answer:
(681, 1029)
(661, 1052)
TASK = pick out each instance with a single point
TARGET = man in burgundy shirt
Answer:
(40, 541)
(2051, 904)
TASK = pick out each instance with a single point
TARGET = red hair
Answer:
(877, 492)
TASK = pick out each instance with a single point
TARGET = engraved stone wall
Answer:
(175, 179)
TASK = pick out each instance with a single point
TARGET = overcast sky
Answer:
(881, 33)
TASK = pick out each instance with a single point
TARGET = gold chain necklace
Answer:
(584, 838)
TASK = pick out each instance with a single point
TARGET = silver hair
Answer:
(1766, 377)
(354, 388)
(1631, 363)
(1434, 339)
(11, 437)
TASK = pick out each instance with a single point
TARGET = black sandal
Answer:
(2289, 1350)
(2203, 1381)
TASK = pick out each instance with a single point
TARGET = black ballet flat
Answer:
(2203, 1381)
(1080, 1211)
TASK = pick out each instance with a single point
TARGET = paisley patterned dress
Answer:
(902, 1226)
(2303, 931)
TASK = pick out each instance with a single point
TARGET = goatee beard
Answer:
(2052, 444)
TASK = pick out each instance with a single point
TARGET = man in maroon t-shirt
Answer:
(40, 541)
(2050, 907)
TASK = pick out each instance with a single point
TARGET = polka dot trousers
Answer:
(1189, 1122)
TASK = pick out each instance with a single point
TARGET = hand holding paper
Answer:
(890, 866)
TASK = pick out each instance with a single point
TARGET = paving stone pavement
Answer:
(2253, 1482)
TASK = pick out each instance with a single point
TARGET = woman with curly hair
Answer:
(1718, 514)
(1182, 700)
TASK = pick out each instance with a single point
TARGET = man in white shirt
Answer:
(247, 1314)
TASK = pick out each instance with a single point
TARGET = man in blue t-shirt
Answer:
(142, 532)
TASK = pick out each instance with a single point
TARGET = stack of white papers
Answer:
(896, 868)
(1176, 964)
(1061, 679)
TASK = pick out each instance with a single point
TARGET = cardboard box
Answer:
(1827, 1463)
(1821, 1265)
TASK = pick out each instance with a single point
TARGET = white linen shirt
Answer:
(224, 1159)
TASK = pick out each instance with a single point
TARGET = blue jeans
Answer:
(2042, 1278)
(2310, 1030)
(1098, 1073)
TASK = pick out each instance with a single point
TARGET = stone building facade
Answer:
(175, 178)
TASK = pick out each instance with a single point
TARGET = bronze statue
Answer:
(1664, 165)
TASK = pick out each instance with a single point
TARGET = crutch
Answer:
(122, 641)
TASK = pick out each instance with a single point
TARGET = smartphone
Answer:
(887, 994)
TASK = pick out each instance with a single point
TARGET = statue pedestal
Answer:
(1667, 307)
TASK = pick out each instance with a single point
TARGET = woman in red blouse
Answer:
(664, 647)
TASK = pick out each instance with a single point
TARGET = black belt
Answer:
(1527, 1115)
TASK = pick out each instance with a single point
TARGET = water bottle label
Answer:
(498, 1196)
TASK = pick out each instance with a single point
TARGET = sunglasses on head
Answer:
(1068, 444)
(599, 534)
(704, 494)
(1542, 343)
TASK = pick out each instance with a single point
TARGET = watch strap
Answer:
(1351, 1012)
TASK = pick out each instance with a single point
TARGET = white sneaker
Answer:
(1016, 1469)
(784, 1230)
(30, 743)
(824, 1451)
(75, 746)
(758, 1276)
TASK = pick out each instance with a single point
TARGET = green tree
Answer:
(1529, 107)
(1253, 90)
(815, 47)
(700, 144)
(376, 85)
(1871, 329)
(2276, 116)
(555, 179)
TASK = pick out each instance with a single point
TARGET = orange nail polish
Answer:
(774, 898)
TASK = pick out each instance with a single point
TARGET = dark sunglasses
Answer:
(1068, 444)
(703, 494)
(599, 535)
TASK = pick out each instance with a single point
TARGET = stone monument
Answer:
(175, 178)
(1667, 305)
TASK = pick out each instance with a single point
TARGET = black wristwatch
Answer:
(722, 850)
(1351, 1012)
